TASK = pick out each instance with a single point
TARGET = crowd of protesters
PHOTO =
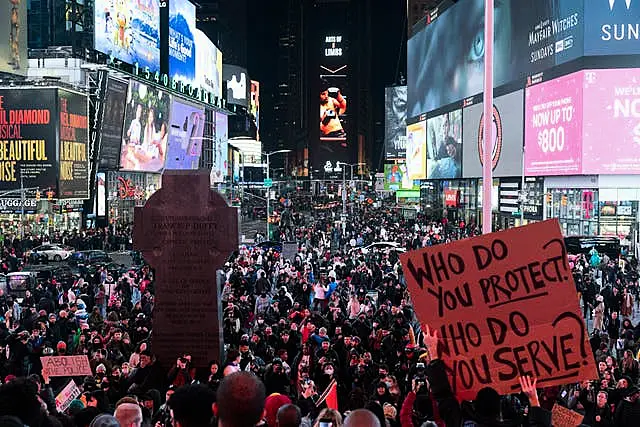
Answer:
(337, 316)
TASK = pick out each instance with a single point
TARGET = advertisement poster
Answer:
(553, 127)
(396, 177)
(208, 64)
(417, 150)
(182, 47)
(255, 105)
(238, 85)
(395, 126)
(236, 166)
(445, 66)
(612, 27)
(508, 137)
(185, 136)
(220, 155)
(111, 134)
(611, 135)
(74, 138)
(101, 194)
(146, 129)
(14, 57)
(28, 139)
(129, 31)
(444, 146)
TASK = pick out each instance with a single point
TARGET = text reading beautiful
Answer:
(71, 151)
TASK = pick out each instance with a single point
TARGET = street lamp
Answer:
(344, 190)
(267, 155)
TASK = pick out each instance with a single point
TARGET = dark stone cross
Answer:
(186, 231)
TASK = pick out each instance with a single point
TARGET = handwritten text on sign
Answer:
(504, 305)
(66, 366)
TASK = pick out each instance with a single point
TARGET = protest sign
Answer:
(65, 366)
(504, 305)
(563, 417)
(66, 396)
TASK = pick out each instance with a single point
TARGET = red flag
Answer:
(332, 396)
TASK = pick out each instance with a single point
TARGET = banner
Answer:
(208, 64)
(185, 140)
(612, 27)
(28, 139)
(101, 194)
(553, 127)
(611, 135)
(565, 417)
(484, 297)
(445, 66)
(444, 146)
(128, 30)
(508, 133)
(65, 366)
(74, 138)
(395, 106)
(112, 121)
(221, 144)
(416, 150)
(182, 47)
(66, 396)
(14, 57)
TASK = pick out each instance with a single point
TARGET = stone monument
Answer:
(186, 231)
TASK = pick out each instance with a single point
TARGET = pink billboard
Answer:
(611, 121)
(553, 127)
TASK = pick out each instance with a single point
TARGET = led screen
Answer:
(416, 150)
(395, 105)
(185, 136)
(182, 47)
(444, 146)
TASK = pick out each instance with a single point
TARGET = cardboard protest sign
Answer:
(66, 396)
(66, 366)
(563, 417)
(504, 305)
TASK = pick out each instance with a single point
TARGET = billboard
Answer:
(611, 135)
(446, 66)
(553, 127)
(417, 150)
(182, 47)
(74, 137)
(255, 105)
(145, 132)
(220, 154)
(395, 107)
(396, 177)
(444, 146)
(101, 194)
(28, 139)
(238, 84)
(612, 27)
(208, 64)
(129, 30)
(14, 57)
(111, 133)
(508, 137)
(185, 136)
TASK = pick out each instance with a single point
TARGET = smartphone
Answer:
(325, 423)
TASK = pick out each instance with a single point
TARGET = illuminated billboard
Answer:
(238, 84)
(129, 31)
(208, 64)
(220, 167)
(13, 45)
(416, 150)
(444, 146)
(255, 105)
(182, 47)
(74, 138)
(146, 129)
(185, 136)
(395, 126)
(111, 132)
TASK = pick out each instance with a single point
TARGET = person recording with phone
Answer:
(332, 106)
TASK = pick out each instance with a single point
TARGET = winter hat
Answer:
(104, 420)
(487, 403)
(75, 406)
(271, 405)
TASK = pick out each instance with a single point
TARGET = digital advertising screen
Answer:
(395, 127)
(112, 122)
(508, 137)
(185, 136)
(129, 30)
(208, 64)
(236, 165)
(74, 137)
(612, 27)
(182, 46)
(396, 177)
(220, 154)
(553, 127)
(28, 138)
(146, 129)
(255, 105)
(238, 84)
(445, 66)
(444, 146)
(417, 150)
(611, 128)
(101, 194)
(14, 56)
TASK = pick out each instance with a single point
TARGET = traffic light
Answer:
(49, 195)
(37, 196)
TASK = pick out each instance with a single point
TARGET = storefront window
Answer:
(576, 209)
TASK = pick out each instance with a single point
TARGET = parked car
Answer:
(62, 273)
(89, 257)
(52, 252)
